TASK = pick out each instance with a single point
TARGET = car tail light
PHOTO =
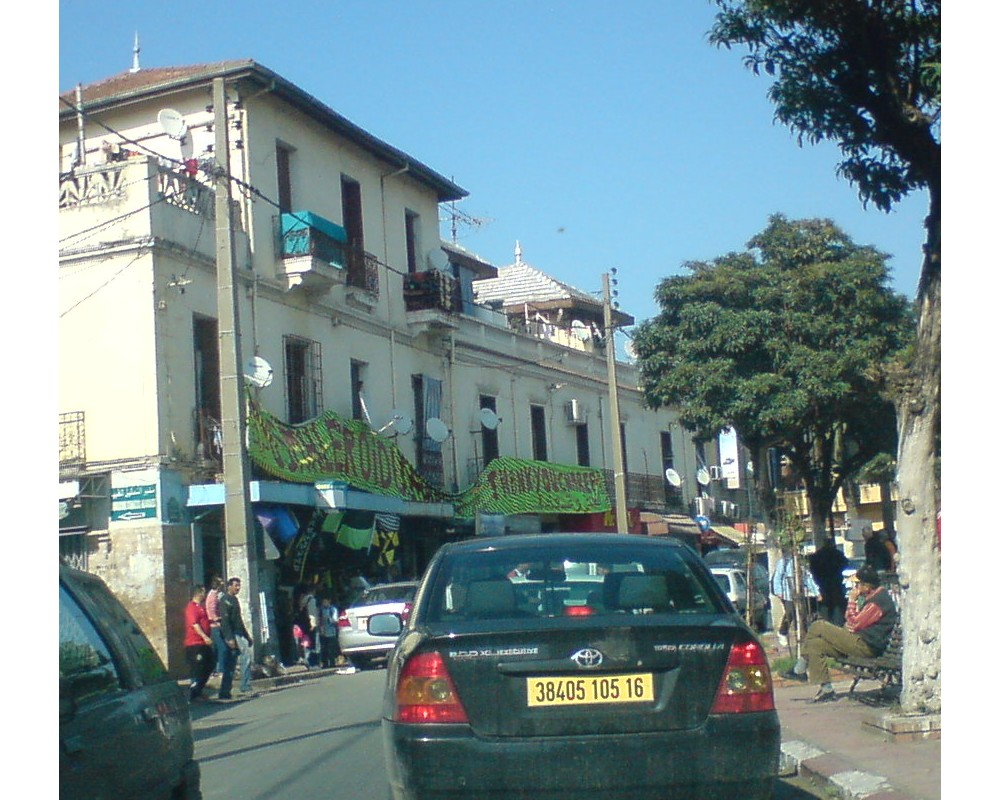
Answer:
(578, 611)
(405, 614)
(746, 682)
(342, 620)
(425, 692)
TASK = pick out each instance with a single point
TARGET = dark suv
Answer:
(124, 724)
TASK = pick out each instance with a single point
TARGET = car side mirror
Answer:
(385, 625)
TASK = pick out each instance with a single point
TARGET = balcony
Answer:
(313, 251)
(72, 440)
(432, 298)
(646, 492)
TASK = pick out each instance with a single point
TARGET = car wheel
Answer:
(360, 662)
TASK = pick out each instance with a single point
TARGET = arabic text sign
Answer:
(130, 503)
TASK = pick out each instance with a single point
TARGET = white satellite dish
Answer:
(488, 419)
(437, 430)
(173, 123)
(580, 330)
(750, 467)
(673, 478)
(259, 372)
(629, 348)
(437, 259)
(399, 422)
(704, 478)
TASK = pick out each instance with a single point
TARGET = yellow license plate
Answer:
(590, 690)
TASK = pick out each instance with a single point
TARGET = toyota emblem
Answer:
(587, 658)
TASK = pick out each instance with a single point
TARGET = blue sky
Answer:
(596, 133)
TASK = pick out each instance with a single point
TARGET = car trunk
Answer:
(635, 688)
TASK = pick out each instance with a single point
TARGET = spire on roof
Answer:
(517, 252)
(135, 54)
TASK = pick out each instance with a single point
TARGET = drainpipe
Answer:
(81, 139)
(454, 427)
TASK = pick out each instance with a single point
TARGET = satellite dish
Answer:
(629, 348)
(704, 478)
(437, 430)
(673, 478)
(173, 123)
(400, 422)
(438, 260)
(580, 330)
(750, 467)
(259, 372)
(488, 419)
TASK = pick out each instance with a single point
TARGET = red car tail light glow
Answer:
(342, 620)
(579, 611)
(426, 694)
(746, 682)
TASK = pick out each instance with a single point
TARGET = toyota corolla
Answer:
(576, 665)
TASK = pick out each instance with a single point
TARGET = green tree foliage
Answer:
(862, 73)
(785, 342)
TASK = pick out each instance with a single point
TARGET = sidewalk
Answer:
(853, 748)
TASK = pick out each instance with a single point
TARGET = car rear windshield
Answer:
(386, 594)
(570, 579)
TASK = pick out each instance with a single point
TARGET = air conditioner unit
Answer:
(725, 506)
(715, 473)
(704, 506)
(576, 414)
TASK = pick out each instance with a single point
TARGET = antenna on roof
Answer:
(135, 54)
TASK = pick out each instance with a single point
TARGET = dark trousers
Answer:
(200, 661)
(833, 609)
(329, 650)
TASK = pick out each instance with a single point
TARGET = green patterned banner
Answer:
(330, 448)
(517, 486)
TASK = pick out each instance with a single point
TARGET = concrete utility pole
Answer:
(621, 513)
(241, 541)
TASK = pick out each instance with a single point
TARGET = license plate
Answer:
(360, 623)
(590, 690)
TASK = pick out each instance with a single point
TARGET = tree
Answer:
(785, 342)
(866, 75)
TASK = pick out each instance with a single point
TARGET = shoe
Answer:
(824, 697)
(782, 640)
(224, 697)
(792, 675)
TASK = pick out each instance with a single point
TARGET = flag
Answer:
(355, 530)
(386, 538)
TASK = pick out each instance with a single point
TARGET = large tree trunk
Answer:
(919, 415)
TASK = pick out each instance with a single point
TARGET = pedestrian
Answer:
(329, 651)
(827, 567)
(889, 538)
(306, 621)
(198, 650)
(871, 616)
(246, 664)
(784, 588)
(216, 588)
(232, 627)
(876, 553)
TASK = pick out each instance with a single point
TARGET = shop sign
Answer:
(130, 503)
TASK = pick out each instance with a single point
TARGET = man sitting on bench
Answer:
(870, 618)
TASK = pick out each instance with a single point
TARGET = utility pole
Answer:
(621, 513)
(241, 541)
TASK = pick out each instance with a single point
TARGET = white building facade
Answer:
(348, 295)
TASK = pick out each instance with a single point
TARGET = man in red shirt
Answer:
(198, 650)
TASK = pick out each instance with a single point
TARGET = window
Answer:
(539, 449)
(412, 244)
(85, 661)
(358, 408)
(350, 198)
(582, 446)
(427, 405)
(491, 439)
(624, 449)
(303, 378)
(667, 458)
(207, 403)
(283, 158)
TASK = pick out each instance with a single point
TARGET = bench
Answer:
(886, 668)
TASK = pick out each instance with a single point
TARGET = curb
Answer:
(838, 778)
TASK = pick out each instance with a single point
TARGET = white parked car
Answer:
(733, 581)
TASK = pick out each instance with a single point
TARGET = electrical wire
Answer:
(103, 285)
